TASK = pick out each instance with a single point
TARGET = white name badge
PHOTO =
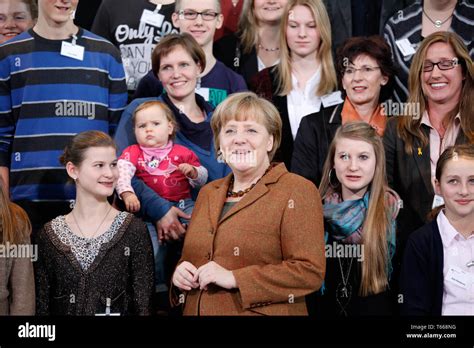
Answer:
(405, 47)
(437, 201)
(458, 277)
(107, 314)
(331, 99)
(72, 51)
(107, 310)
(203, 92)
(152, 18)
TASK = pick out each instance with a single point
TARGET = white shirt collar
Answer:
(447, 231)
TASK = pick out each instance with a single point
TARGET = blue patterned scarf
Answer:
(344, 220)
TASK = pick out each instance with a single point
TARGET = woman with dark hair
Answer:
(365, 71)
(255, 242)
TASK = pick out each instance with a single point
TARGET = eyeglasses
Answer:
(366, 70)
(190, 14)
(445, 64)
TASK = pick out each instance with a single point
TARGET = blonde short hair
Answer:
(244, 106)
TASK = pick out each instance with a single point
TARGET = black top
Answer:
(421, 278)
(122, 271)
(334, 303)
(229, 51)
(85, 13)
(119, 22)
(312, 142)
(365, 17)
(410, 176)
(265, 85)
(198, 133)
(342, 17)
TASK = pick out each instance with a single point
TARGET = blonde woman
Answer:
(256, 45)
(440, 114)
(305, 73)
(359, 218)
(255, 242)
(365, 73)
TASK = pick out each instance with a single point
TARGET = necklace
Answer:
(344, 289)
(241, 193)
(437, 23)
(268, 49)
(97, 229)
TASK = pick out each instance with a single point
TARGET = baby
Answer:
(169, 169)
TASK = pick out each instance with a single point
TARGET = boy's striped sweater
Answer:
(47, 98)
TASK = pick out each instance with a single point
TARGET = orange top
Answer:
(378, 120)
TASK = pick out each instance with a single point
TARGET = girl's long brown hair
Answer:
(377, 221)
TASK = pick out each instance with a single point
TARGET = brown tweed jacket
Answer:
(17, 285)
(272, 240)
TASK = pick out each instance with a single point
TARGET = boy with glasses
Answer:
(201, 19)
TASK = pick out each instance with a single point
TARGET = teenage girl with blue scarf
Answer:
(359, 221)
